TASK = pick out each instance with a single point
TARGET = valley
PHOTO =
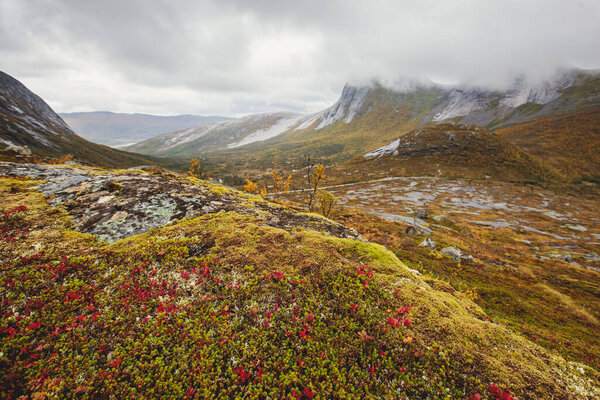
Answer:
(461, 256)
(530, 257)
(345, 200)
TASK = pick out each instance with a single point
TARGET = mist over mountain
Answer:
(386, 106)
(244, 58)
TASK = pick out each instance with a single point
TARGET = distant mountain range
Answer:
(377, 113)
(119, 130)
(556, 121)
(29, 127)
(367, 118)
(255, 128)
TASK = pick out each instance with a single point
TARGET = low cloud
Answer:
(239, 57)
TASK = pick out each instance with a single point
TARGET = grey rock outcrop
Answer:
(115, 205)
(453, 252)
(428, 243)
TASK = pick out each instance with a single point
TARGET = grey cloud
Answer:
(236, 57)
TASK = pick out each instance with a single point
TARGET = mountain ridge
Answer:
(29, 127)
(426, 103)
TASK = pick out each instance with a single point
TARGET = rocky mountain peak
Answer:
(346, 107)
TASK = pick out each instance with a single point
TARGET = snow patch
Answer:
(283, 125)
(462, 103)
(308, 121)
(184, 136)
(541, 93)
(382, 151)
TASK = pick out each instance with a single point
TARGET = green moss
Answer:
(316, 215)
(218, 189)
(183, 307)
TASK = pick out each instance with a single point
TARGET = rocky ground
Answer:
(528, 256)
(115, 205)
(229, 295)
(548, 225)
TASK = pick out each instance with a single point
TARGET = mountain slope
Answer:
(366, 118)
(454, 150)
(28, 126)
(252, 130)
(569, 142)
(118, 130)
(227, 134)
(237, 303)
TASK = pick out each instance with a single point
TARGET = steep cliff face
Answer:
(346, 108)
(492, 107)
(26, 119)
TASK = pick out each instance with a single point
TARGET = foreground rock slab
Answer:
(113, 205)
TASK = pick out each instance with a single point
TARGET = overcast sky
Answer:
(246, 56)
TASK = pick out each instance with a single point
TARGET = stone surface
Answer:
(428, 243)
(576, 227)
(421, 213)
(115, 205)
(453, 252)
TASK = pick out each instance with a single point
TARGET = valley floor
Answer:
(531, 257)
(149, 284)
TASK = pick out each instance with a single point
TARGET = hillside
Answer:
(29, 127)
(569, 142)
(453, 150)
(368, 117)
(227, 134)
(235, 296)
(527, 255)
(120, 130)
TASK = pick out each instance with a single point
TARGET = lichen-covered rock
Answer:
(453, 252)
(421, 213)
(113, 205)
(428, 243)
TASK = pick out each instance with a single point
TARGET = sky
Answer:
(239, 57)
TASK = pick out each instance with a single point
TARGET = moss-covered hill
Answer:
(232, 305)
(454, 150)
(569, 142)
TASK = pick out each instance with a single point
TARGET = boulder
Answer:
(421, 213)
(453, 252)
(564, 257)
(411, 230)
(428, 243)
(576, 227)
